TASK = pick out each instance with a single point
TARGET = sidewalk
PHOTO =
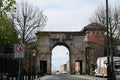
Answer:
(90, 77)
(43, 77)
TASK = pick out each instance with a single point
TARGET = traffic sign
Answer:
(19, 50)
(33, 52)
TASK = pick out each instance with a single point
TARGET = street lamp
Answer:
(33, 56)
(107, 45)
(29, 71)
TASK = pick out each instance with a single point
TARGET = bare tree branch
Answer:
(114, 19)
(28, 20)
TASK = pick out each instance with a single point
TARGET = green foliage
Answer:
(7, 5)
(8, 34)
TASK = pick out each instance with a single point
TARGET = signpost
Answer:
(19, 50)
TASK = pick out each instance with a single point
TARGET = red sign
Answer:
(19, 47)
(19, 50)
(33, 52)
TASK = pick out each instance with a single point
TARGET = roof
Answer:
(94, 26)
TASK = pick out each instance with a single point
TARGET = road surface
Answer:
(69, 77)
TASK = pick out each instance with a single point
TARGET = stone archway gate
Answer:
(74, 41)
(84, 47)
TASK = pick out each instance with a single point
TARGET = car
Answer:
(57, 72)
(65, 72)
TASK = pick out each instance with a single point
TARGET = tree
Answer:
(8, 35)
(114, 27)
(27, 21)
(5, 7)
(114, 20)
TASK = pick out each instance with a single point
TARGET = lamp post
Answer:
(33, 56)
(29, 72)
(107, 45)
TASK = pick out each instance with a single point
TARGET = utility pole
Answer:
(107, 45)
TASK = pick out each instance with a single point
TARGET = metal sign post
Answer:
(19, 50)
(19, 69)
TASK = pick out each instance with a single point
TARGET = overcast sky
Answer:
(67, 15)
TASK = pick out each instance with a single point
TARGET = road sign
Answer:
(33, 52)
(19, 50)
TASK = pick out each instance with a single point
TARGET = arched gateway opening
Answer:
(60, 59)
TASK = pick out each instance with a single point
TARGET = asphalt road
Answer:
(69, 77)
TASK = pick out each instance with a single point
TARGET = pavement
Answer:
(43, 78)
(82, 77)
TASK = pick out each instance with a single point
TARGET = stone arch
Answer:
(82, 48)
(61, 43)
(74, 41)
